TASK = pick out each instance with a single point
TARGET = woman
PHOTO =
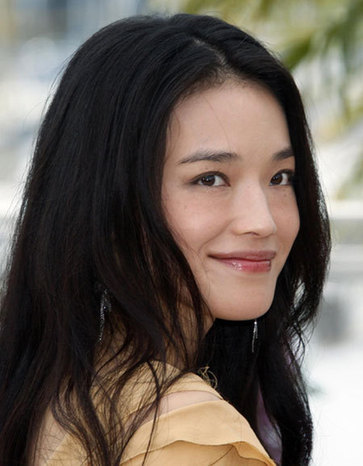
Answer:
(172, 237)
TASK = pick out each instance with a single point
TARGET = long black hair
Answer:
(92, 219)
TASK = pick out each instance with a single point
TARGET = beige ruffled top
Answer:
(187, 433)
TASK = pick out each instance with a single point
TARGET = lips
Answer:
(247, 261)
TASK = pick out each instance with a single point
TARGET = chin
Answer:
(250, 312)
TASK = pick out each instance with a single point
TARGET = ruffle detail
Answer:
(211, 432)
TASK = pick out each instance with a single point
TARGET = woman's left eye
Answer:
(282, 178)
(211, 179)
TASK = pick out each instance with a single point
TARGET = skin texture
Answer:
(228, 196)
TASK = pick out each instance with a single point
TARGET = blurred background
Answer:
(321, 42)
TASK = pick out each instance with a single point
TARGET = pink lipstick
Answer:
(247, 261)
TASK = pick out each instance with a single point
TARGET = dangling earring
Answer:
(254, 335)
(105, 306)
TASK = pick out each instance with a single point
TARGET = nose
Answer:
(251, 212)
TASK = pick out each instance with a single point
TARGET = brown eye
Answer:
(282, 178)
(211, 180)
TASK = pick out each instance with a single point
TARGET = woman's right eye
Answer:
(211, 179)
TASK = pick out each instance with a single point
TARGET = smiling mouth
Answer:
(252, 261)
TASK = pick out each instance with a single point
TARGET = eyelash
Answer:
(290, 177)
(289, 173)
(198, 180)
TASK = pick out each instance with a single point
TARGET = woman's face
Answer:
(228, 197)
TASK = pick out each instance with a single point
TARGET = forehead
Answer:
(239, 117)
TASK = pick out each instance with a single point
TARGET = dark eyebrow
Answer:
(283, 154)
(224, 156)
(210, 156)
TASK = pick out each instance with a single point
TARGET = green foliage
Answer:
(296, 52)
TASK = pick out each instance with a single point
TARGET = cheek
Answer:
(190, 223)
(288, 223)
